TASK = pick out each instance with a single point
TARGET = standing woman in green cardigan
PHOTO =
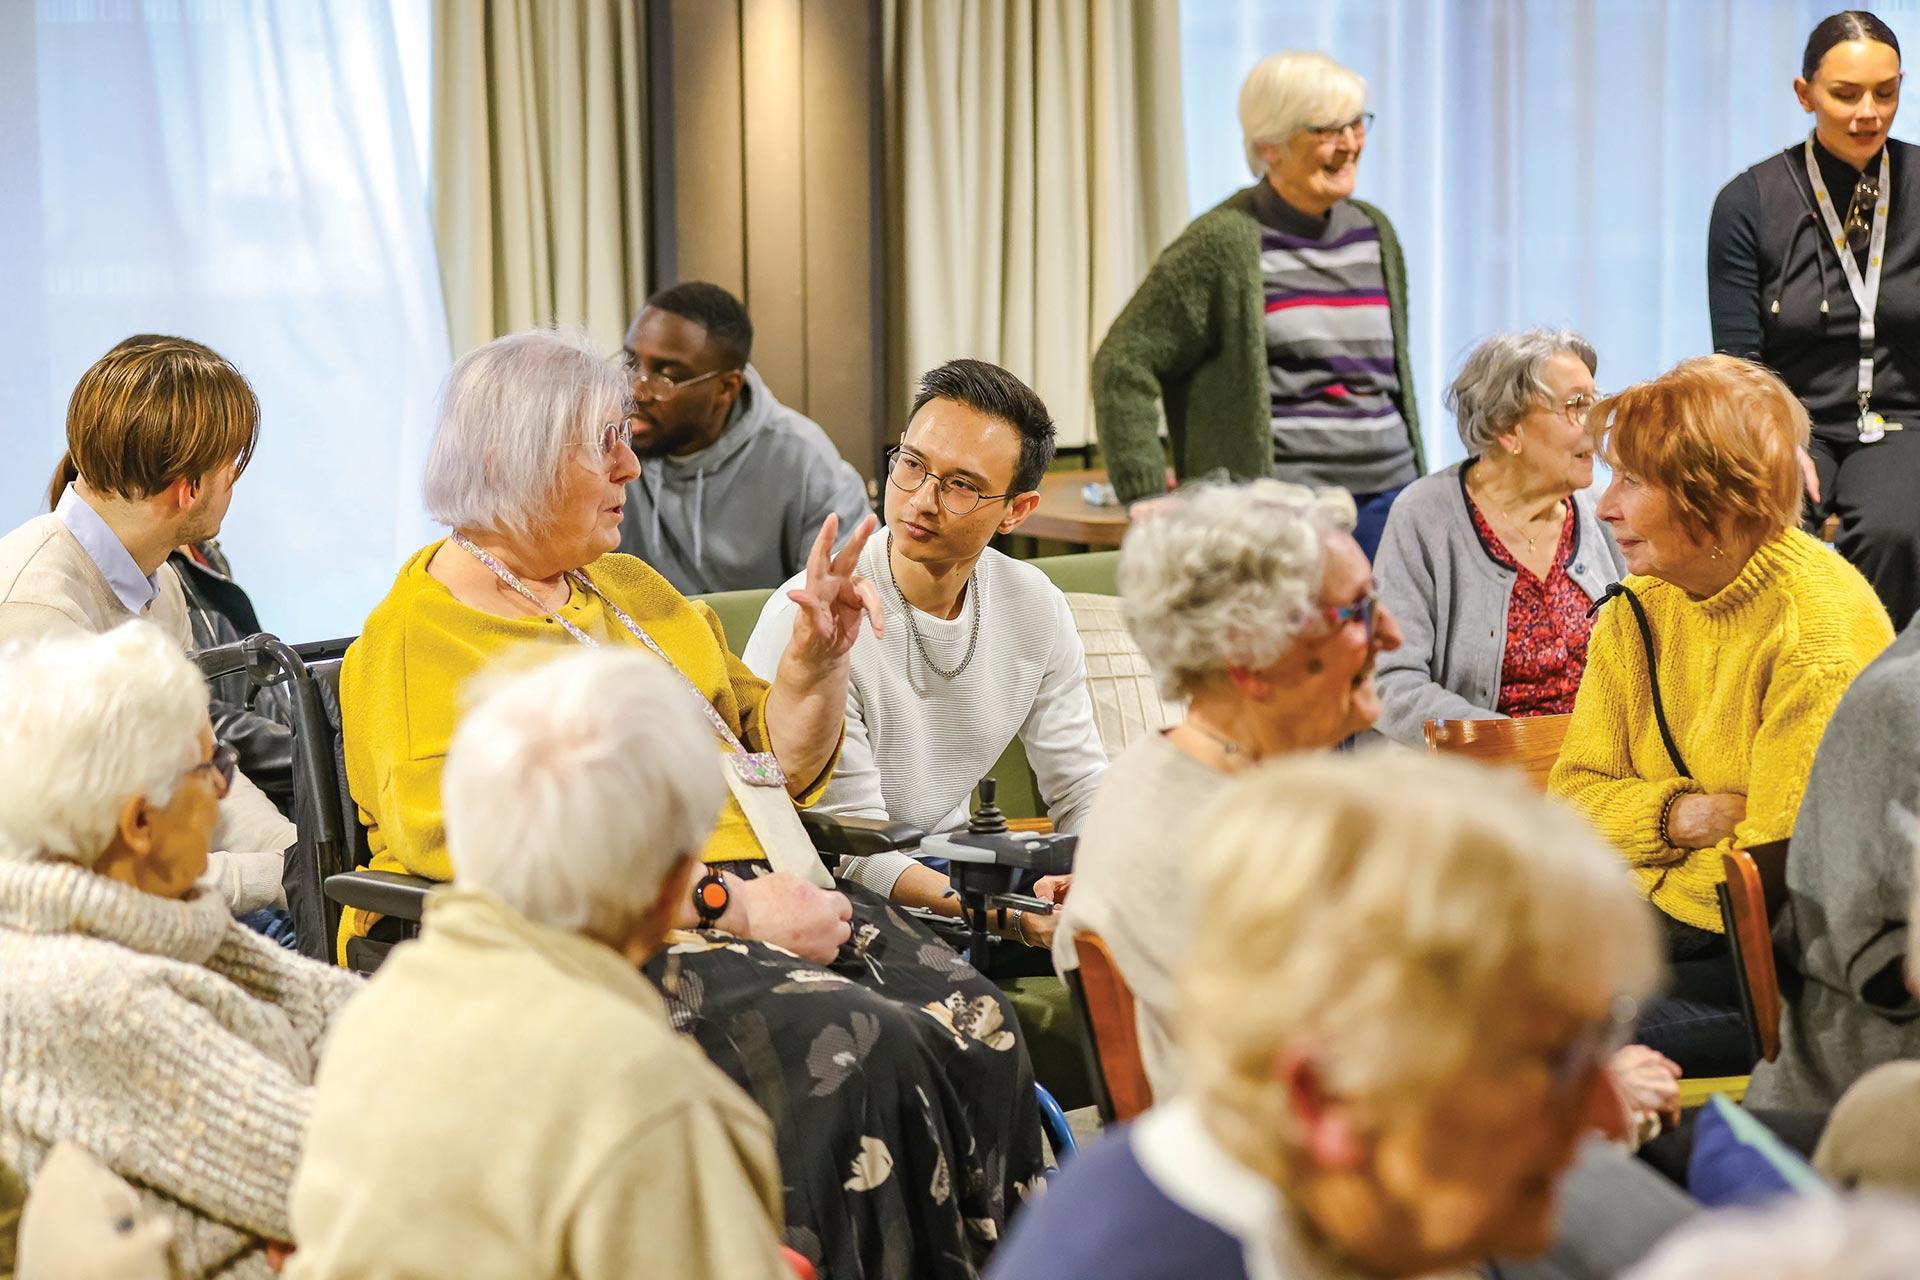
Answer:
(1274, 329)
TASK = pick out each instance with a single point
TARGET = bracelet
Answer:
(1020, 928)
(1666, 812)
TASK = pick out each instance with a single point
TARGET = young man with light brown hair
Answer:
(158, 430)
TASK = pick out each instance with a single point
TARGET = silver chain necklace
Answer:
(973, 590)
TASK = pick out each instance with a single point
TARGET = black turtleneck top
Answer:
(1768, 245)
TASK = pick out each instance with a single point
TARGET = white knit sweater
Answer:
(171, 1042)
(917, 743)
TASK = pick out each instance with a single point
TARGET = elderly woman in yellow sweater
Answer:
(1710, 681)
(901, 1096)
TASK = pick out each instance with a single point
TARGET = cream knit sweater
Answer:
(166, 1039)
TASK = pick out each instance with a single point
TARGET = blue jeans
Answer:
(1370, 518)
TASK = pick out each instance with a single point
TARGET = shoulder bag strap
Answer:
(1653, 676)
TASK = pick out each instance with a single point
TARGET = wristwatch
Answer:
(711, 898)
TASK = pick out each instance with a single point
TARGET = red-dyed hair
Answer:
(1718, 435)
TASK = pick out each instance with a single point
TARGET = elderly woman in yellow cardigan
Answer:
(901, 1097)
(1710, 681)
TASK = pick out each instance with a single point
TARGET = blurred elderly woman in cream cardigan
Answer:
(143, 1023)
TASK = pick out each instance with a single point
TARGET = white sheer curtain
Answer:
(1545, 161)
(250, 175)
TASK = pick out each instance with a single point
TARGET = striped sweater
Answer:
(1332, 376)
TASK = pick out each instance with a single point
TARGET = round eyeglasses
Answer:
(957, 494)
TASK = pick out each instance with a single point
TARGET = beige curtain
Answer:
(1035, 169)
(537, 175)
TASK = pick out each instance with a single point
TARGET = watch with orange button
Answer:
(711, 898)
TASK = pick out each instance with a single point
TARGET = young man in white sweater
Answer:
(158, 430)
(979, 648)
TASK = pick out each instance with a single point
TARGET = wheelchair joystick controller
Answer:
(987, 859)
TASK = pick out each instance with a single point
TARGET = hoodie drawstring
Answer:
(699, 520)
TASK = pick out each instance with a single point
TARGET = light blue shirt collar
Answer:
(134, 589)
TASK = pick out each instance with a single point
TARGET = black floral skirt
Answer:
(900, 1092)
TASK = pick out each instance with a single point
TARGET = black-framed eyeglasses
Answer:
(649, 386)
(1361, 611)
(959, 495)
(221, 763)
(1858, 226)
(1327, 132)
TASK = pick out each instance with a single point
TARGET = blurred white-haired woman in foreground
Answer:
(578, 796)
(1870, 1237)
(142, 1022)
(1395, 1019)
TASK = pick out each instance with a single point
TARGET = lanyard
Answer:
(757, 768)
(1866, 292)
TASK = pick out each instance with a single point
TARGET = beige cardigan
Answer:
(510, 1099)
(48, 583)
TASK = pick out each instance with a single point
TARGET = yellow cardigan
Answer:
(400, 697)
(1749, 676)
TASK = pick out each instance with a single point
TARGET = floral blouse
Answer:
(1547, 627)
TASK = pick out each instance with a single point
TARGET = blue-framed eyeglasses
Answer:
(1360, 611)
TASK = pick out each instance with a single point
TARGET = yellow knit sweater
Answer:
(1749, 676)
(400, 696)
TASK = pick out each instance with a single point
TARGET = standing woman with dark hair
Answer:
(1813, 268)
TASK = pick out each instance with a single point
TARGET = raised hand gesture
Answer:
(833, 597)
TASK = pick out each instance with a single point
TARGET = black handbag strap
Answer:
(1653, 676)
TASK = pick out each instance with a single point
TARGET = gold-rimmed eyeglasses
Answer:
(649, 386)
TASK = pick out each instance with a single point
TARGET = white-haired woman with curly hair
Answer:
(143, 1023)
(1396, 1021)
(1254, 606)
(1273, 330)
(1493, 565)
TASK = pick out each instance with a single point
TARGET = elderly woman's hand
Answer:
(793, 913)
(1648, 1081)
(1703, 821)
(832, 598)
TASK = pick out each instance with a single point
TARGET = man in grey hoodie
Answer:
(733, 485)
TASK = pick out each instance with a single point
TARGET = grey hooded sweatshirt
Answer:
(744, 511)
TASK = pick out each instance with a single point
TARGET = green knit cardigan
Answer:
(1194, 337)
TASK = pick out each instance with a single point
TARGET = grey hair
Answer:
(91, 721)
(1504, 379)
(1222, 576)
(573, 789)
(1820, 1236)
(508, 413)
(1292, 90)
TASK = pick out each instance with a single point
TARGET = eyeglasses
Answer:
(1866, 194)
(613, 437)
(1579, 407)
(1328, 132)
(1594, 1043)
(222, 762)
(1360, 611)
(958, 495)
(658, 386)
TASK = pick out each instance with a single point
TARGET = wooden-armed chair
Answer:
(1105, 1004)
(1755, 889)
(1529, 743)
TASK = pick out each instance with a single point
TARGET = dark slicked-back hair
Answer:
(716, 311)
(989, 389)
(1848, 24)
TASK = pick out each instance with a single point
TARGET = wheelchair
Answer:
(326, 869)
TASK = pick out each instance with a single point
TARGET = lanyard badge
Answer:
(1865, 289)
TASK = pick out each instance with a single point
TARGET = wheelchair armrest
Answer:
(385, 892)
(857, 837)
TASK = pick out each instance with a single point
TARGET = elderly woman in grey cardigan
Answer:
(143, 1023)
(1493, 564)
